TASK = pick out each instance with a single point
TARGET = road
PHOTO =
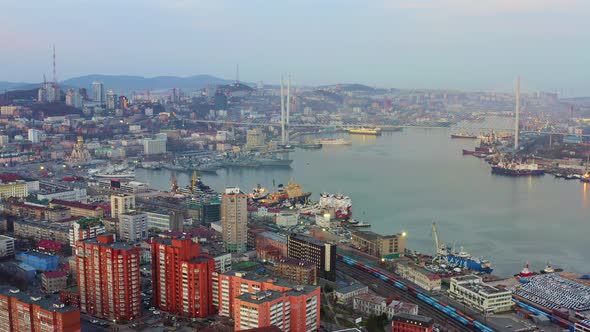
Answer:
(387, 290)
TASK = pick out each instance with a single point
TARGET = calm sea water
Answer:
(404, 181)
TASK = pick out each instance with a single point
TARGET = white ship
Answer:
(342, 205)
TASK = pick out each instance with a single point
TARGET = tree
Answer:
(376, 323)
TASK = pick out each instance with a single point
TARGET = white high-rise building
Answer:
(48, 93)
(98, 92)
(111, 100)
(35, 135)
(74, 99)
(4, 140)
(154, 146)
(133, 226)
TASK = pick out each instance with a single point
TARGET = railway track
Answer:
(385, 289)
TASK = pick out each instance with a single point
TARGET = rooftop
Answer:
(307, 239)
(261, 297)
(47, 302)
(367, 235)
(113, 245)
(274, 236)
(350, 288)
(403, 317)
(475, 284)
(73, 204)
(37, 254)
(295, 262)
(55, 274)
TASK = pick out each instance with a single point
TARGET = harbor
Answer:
(394, 187)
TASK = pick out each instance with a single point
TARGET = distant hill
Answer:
(10, 85)
(8, 97)
(126, 84)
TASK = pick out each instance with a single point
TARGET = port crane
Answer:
(441, 248)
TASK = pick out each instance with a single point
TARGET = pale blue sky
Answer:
(464, 44)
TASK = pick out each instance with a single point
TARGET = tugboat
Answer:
(550, 269)
(525, 273)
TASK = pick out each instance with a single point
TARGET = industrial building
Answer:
(39, 260)
(420, 276)
(322, 254)
(411, 323)
(471, 290)
(382, 246)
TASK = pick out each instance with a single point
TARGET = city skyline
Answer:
(455, 44)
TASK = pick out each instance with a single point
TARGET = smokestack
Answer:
(288, 108)
(282, 114)
(517, 118)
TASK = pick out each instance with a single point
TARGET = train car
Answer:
(437, 304)
(560, 321)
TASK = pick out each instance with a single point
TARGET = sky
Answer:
(454, 44)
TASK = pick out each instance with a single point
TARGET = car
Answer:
(152, 308)
(94, 321)
(156, 312)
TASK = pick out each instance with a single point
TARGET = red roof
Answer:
(271, 210)
(74, 204)
(9, 177)
(252, 208)
(55, 274)
(48, 244)
(433, 277)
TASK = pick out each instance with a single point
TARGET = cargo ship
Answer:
(334, 141)
(290, 195)
(342, 205)
(463, 259)
(464, 135)
(517, 169)
(365, 131)
(460, 259)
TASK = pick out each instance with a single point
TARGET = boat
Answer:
(258, 193)
(464, 135)
(361, 224)
(468, 153)
(517, 169)
(525, 273)
(550, 269)
(334, 141)
(570, 177)
(291, 194)
(272, 161)
(365, 131)
(463, 259)
(310, 146)
(342, 205)
(122, 175)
